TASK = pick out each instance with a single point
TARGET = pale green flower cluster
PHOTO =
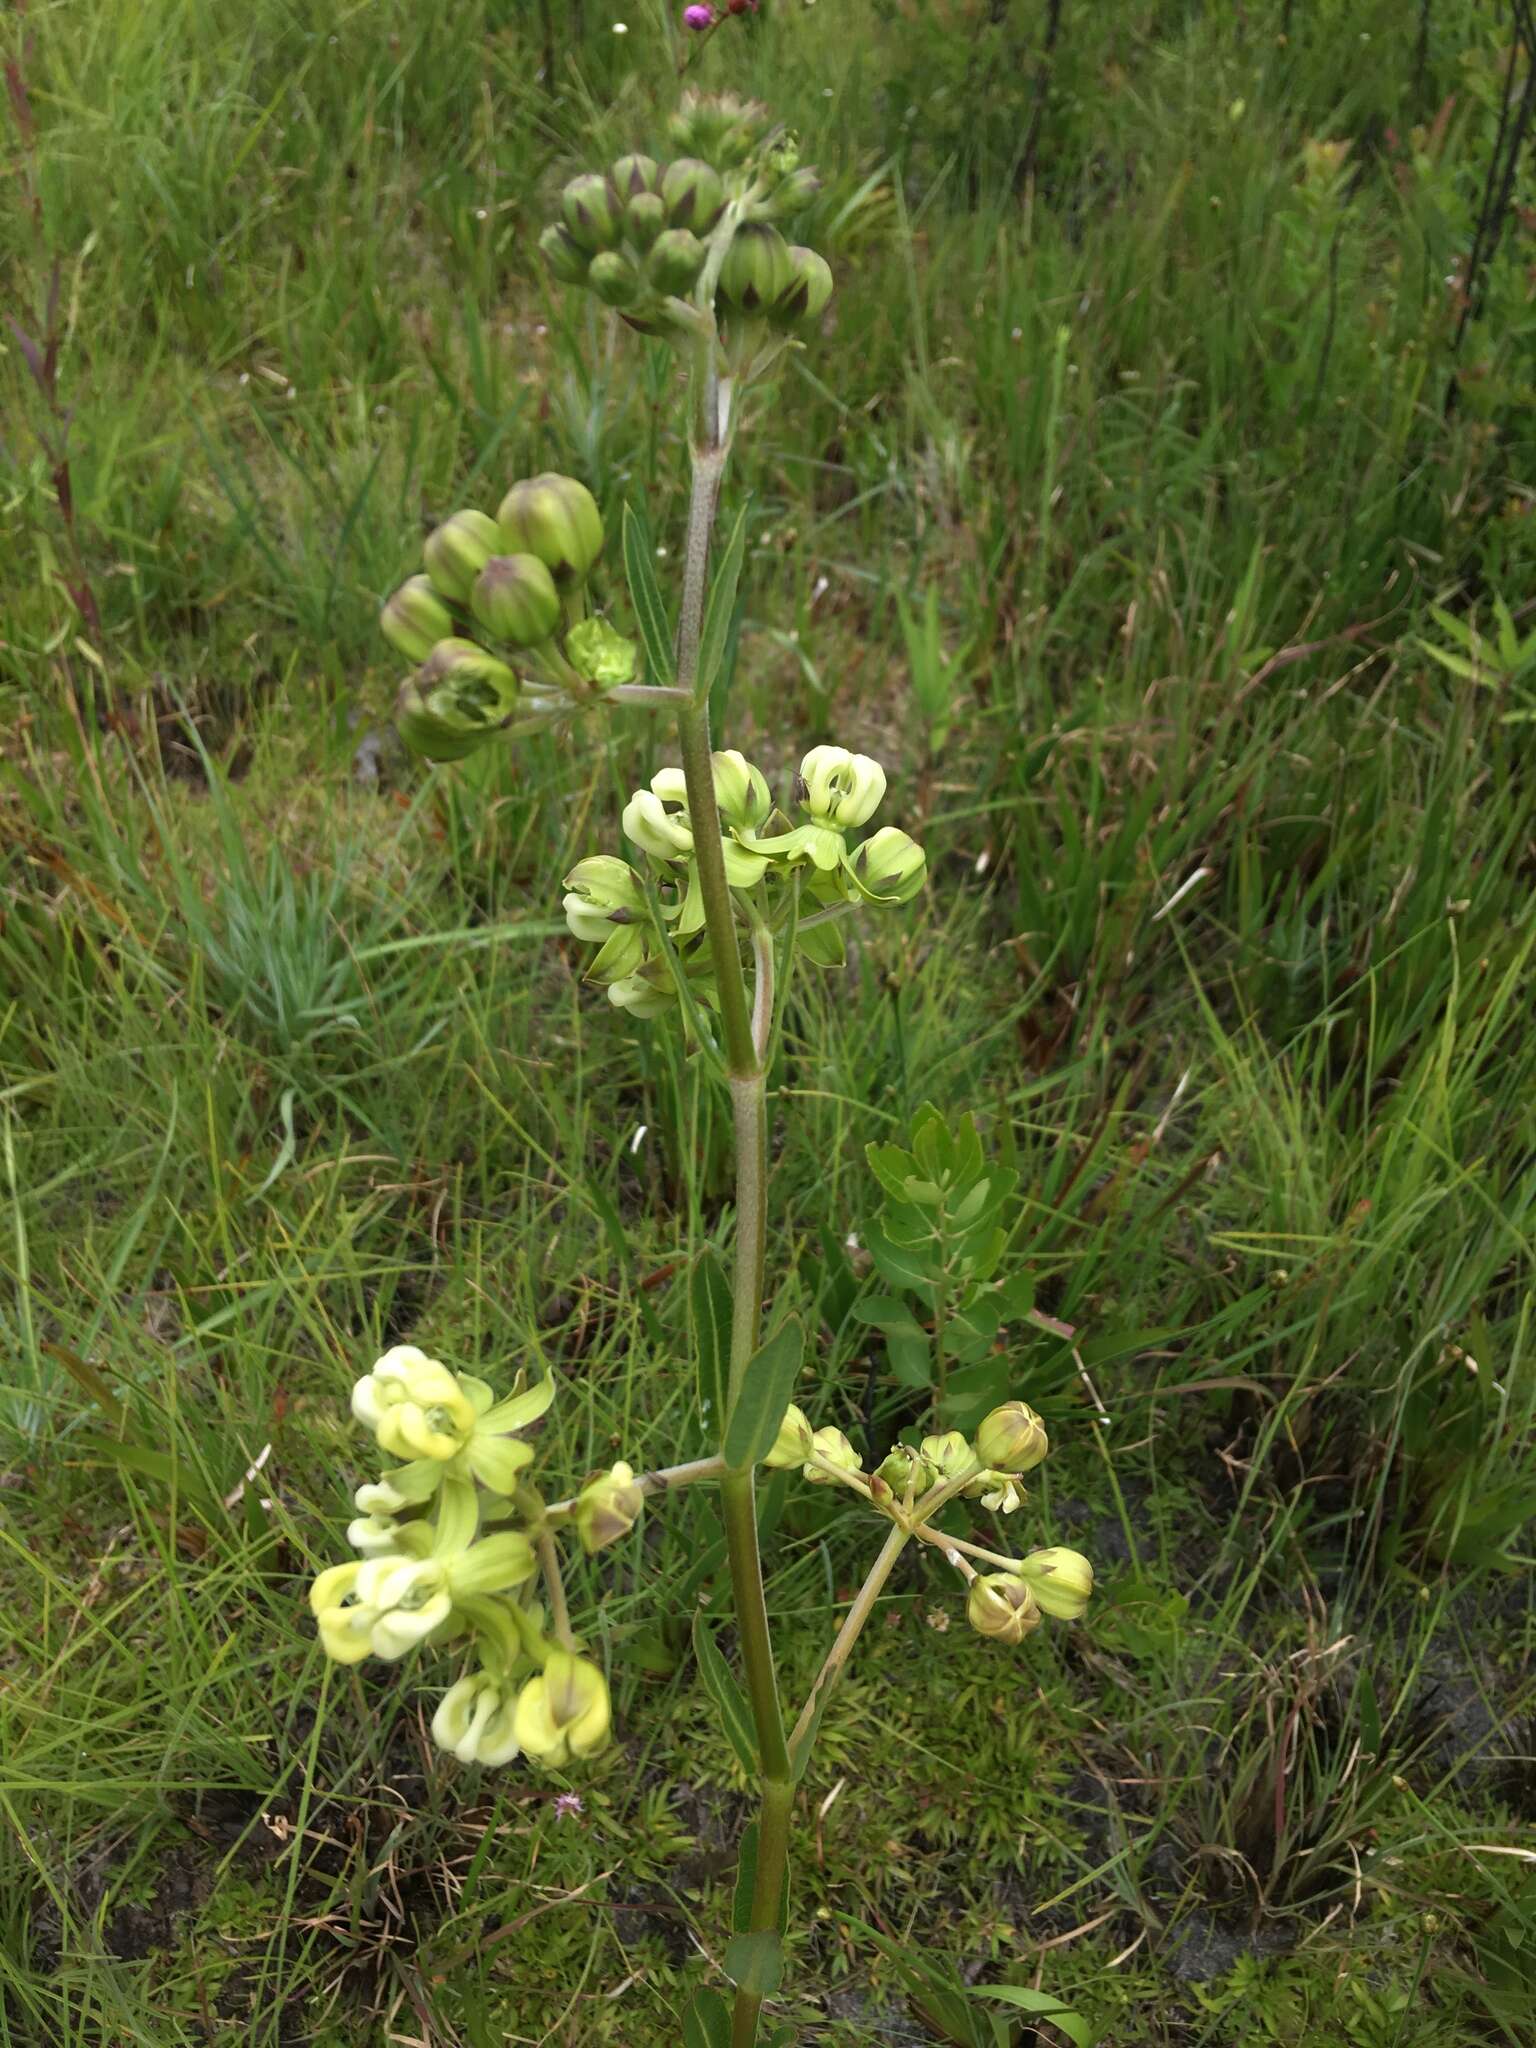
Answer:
(913, 1482)
(807, 872)
(438, 1564)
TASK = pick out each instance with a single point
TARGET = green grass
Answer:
(1228, 940)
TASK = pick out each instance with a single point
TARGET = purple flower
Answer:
(568, 1806)
(698, 17)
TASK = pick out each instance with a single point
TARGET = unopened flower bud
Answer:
(564, 1711)
(607, 1508)
(632, 175)
(1002, 1607)
(555, 518)
(458, 550)
(694, 195)
(1012, 1438)
(474, 1720)
(839, 788)
(1061, 1581)
(614, 278)
(757, 271)
(950, 1455)
(742, 795)
(565, 256)
(903, 1468)
(515, 599)
(792, 1445)
(793, 194)
(593, 214)
(806, 296)
(416, 618)
(889, 867)
(830, 1447)
(698, 17)
(645, 216)
(674, 264)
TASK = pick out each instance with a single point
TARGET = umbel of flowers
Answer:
(457, 1548)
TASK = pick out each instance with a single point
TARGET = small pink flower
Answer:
(568, 1806)
(698, 17)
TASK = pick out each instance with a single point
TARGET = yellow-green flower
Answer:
(564, 1711)
(418, 1408)
(474, 1720)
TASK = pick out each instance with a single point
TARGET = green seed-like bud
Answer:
(721, 126)
(516, 601)
(645, 216)
(902, 1467)
(830, 1447)
(565, 256)
(694, 195)
(415, 619)
(757, 271)
(792, 1445)
(674, 264)
(614, 278)
(889, 867)
(607, 1508)
(808, 292)
(455, 701)
(555, 518)
(458, 550)
(630, 175)
(592, 212)
(601, 655)
(1061, 1581)
(1012, 1438)
(1002, 1607)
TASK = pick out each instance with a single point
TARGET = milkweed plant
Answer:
(730, 891)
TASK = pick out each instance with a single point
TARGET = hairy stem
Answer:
(749, 1108)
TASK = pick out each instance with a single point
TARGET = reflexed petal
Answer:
(494, 1564)
(478, 1391)
(520, 1408)
(496, 1461)
(402, 1628)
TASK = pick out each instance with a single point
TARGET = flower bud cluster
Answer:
(486, 621)
(691, 247)
(791, 871)
(429, 1570)
(912, 1482)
